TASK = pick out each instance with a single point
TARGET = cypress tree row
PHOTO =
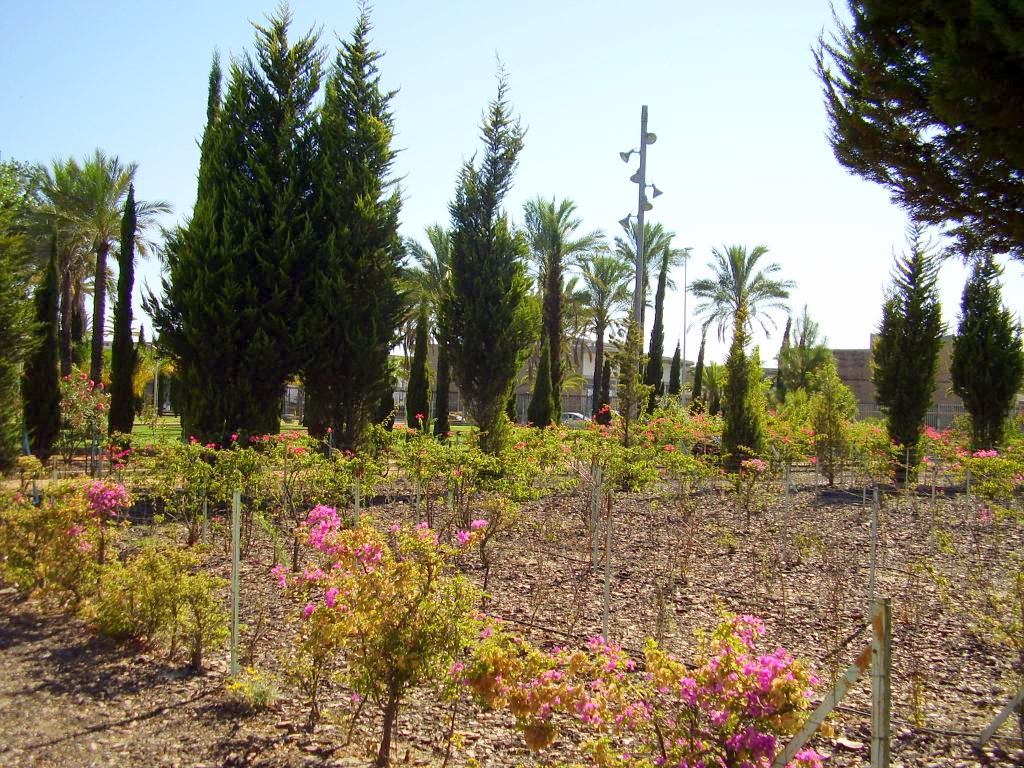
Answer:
(40, 385)
(906, 351)
(234, 274)
(742, 432)
(122, 352)
(653, 374)
(988, 362)
(487, 315)
(352, 302)
(540, 412)
(675, 373)
(417, 396)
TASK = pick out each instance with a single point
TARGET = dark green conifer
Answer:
(988, 362)
(41, 380)
(122, 352)
(742, 406)
(675, 373)
(417, 396)
(540, 412)
(656, 350)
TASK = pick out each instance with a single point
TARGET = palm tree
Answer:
(86, 203)
(740, 281)
(657, 241)
(427, 282)
(551, 228)
(606, 278)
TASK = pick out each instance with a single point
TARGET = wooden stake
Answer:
(595, 513)
(881, 671)
(874, 546)
(607, 573)
(236, 530)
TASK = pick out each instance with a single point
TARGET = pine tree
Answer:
(742, 433)
(122, 352)
(675, 373)
(233, 282)
(41, 380)
(988, 362)
(696, 401)
(540, 412)
(653, 374)
(352, 301)
(906, 352)
(417, 396)
(490, 321)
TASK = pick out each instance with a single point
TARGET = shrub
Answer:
(251, 690)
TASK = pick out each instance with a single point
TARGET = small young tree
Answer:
(541, 410)
(675, 373)
(780, 384)
(122, 351)
(696, 391)
(906, 352)
(742, 403)
(417, 398)
(832, 407)
(988, 362)
(633, 393)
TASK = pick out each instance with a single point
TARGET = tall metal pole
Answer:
(638, 296)
(682, 366)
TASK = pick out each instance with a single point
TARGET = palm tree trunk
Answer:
(598, 369)
(99, 302)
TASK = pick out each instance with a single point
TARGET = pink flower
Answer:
(670, 447)
(477, 524)
(331, 597)
(308, 610)
(463, 537)
(234, 437)
(281, 574)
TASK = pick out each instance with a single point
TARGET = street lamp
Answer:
(643, 205)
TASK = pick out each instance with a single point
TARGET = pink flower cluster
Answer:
(105, 500)
(758, 466)
(322, 522)
(989, 454)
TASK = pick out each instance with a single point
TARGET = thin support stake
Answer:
(595, 514)
(1005, 712)
(605, 617)
(874, 546)
(236, 530)
(881, 691)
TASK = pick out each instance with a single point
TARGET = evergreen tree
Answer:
(41, 381)
(696, 401)
(417, 396)
(490, 322)
(988, 363)
(742, 406)
(906, 352)
(832, 408)
(122, 352)
(232, 288)
(16, 337)
(675, 373)
(653, 374)
(780, 383)
(803, 355)
(352, 301)
(604, 397)
(633, 394)
(541, 411)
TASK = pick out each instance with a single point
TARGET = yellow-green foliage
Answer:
(160, 597)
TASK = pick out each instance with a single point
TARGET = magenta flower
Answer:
(477, 524)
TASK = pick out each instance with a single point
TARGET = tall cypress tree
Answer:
(122, 352)
(353, 305)
(41, 380)
(490, 321)
(698, 371)
(604, 396)
(906, 352)
(742, 432)
(653, 374)
(417, 396)
(780, 384)
(675, 373)
(541, 411)
(232, 290)
(988, 363)
(442, 383)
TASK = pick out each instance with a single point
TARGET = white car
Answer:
(574, 419)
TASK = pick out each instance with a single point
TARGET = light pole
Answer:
(642, 206)
(686, 289)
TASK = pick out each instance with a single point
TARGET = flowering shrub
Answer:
(733, 710)
(50, 549)
(752, 486)
(84, 409)
(384, 607)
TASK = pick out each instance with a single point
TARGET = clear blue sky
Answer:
(741, 152)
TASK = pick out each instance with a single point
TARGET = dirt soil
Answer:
(69, 698)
